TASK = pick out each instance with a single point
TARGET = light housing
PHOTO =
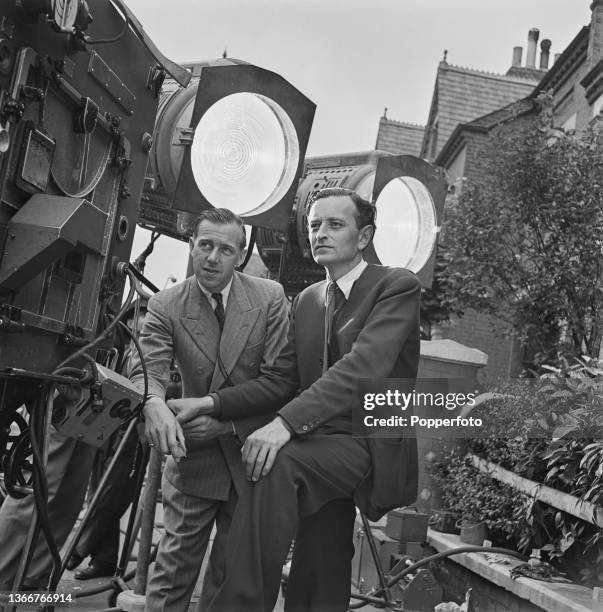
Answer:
(235, 138)
(409, 194)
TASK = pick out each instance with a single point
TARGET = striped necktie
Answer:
(219, 310)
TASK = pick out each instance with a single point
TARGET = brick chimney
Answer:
(595, 39)
(532, 44)
(517, 52)
(545, 53)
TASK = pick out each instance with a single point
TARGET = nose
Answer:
(214, 255)
(321, 232)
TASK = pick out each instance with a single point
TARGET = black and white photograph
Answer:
(301, 305)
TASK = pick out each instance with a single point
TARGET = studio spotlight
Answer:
(235, 138)
(409, 196)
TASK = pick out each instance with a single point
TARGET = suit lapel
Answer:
(200, 321)
(240, 320)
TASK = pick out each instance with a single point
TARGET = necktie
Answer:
(334, 300)
(219, 310)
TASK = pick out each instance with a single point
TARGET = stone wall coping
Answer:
(452, 351)
(550, 596)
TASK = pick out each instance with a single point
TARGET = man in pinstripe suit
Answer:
(223, 328)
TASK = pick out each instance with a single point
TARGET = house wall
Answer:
(475, 329)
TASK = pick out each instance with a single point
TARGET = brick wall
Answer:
(485, 333)
(485, 596)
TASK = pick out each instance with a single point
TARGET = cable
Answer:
(143, 279)
(40, 488)
(141, 461)
(145, 373)
(125, 307)
(107, 474)
(112, 39)
(426, 560)
(141, 260)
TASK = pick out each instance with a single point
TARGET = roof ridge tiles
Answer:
(403, 123)
(514, 78)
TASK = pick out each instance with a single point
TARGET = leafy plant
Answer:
(523, 240)
(477, 497)
(548, 429)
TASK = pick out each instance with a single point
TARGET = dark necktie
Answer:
(334, 301)
(219, 310)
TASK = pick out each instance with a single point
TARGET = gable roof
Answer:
(398, 137)
(463, 94)
(482, 125)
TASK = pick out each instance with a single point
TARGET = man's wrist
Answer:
(285, 425)
(217, 407)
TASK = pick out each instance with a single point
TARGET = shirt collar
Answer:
(225, 293)
(346, 282)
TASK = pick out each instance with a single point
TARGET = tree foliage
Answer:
(524, 239)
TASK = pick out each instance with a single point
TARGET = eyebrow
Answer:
(214, 241)
(327, 218)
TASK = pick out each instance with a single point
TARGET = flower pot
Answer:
(472, 532)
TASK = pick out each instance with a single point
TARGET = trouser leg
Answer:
(321, 568)
(188, 522)
(107, 550)
(306, 475)
(216, 568)
(100, 539)
(68, 472)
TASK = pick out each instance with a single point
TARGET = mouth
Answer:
(211, 271)
(322, 247)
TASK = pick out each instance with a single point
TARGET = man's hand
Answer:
(161, 429)
(204, 428)
(261, 447)
(190, 407)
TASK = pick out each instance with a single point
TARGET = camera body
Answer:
(78, 96)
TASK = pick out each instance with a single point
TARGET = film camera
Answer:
(76, 124)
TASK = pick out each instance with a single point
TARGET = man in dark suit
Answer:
(307, 468)
(222, 328)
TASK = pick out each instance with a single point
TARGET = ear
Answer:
(365, 237)
(191, 243)
(241, 258)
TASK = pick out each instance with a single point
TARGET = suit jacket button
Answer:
(305, 428)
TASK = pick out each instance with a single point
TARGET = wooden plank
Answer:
(584, 510)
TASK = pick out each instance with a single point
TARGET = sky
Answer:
(352, 58)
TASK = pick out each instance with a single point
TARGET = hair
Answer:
(221, 216)
(365, 211)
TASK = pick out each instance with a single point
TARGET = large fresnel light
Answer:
(409, 196)
(235, 138)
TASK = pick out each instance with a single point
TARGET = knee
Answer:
(282, 470)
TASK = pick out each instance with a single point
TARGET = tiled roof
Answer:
(464, 94)
(500, 115)
(483, 124)
(399, 138)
